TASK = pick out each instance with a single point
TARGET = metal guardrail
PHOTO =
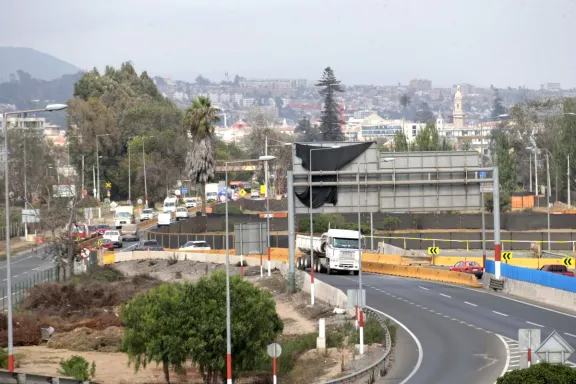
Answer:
(375, 370)
(24, 378)
(496, 284)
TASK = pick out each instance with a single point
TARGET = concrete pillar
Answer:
(321, 339)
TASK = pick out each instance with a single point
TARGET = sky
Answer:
(385, 42)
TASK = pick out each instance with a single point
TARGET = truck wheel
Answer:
(328, 270)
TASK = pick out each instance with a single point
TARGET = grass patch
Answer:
(99, 274)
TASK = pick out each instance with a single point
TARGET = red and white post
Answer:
(261, 268)
(356, 317)
(529, 357)
(361, 325)
(312, 284)
(274, 371)
(228, 368)
(497, 243)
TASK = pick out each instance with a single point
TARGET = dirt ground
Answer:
(112, 367)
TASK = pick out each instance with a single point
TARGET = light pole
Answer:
(569, 197)
(548, 195)
(144, 166)
(267, 196)
(98, 166)
(49, 108)
(312, 223)
(228, 325)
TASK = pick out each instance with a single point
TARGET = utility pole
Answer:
(144, 163)
(129, 174)
(98, 172)
(536, 174)
(82, 176)
(94, 181)
(568, 181)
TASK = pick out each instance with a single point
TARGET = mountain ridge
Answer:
(39, 65)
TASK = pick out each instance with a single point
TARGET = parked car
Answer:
(107, 244)
(148, 245)
(469, 267)
(115, 236)
(255, 192)
(181, 213)
(147, 214)
(558, 269)
(195, 246)
(102, 228)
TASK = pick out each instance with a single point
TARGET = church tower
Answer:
(439, 121)
(458, 112)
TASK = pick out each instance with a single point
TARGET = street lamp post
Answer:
(228, 322)
(312, 223)
(49, 108)
(144, 166)
(98, 166)
(266, 195)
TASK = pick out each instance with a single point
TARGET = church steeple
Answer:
(439, 121)
(458, 111)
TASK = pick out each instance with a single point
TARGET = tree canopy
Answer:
(330, 125)
(175, 322)
(107, 112)
(542, 373)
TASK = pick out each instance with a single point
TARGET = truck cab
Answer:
(124, 215)
(337, 250)
(170, 204)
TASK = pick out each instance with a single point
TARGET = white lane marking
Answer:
(507, 355)
(17, 261)
(538, 325)
(418, 344)
(424, 288)
(472, 304)
(4, 279)
(500, 313)
(569, 334)
(442, 294)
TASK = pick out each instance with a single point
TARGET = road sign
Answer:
(184, 190)
(242, 192)
(85, 252)
(568, 261)
(528, 339)
(482, 174)
(487, 187)
(554, 350)
(78, 238)
(507, 256)
(433, 250)
(235, 196)
(108, 192)
(274, 350)
(100, 242)
(108, 185)
(353, 298)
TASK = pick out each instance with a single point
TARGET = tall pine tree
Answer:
(330, 123)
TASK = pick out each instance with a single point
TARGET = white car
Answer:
(147, 214)
(114, 236)
(181, 213)
(164, 219)
(255, 192)
(191, 203)
(195, 246)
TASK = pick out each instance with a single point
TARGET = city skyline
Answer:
(383, 43)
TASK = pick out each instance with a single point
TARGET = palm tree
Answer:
(198, 120)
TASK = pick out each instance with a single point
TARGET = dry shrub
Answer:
(71, 299)
(85, 339)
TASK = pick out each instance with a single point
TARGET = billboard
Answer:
(64, 190)
(389, 181)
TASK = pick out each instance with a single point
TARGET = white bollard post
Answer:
(99, 212)
(321, 340)
(356, 316)
(312, 291)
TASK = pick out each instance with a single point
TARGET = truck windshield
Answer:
(123, 214)
(345, 243)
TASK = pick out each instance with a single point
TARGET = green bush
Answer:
(99, 274)
(391, 223)
(78, 368)
(505, 202)
(220, 209)
(540, 373)
(3, 358)
(373, 333)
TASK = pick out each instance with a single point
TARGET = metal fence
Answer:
(373, 371)
(21, 287)
(16, 230)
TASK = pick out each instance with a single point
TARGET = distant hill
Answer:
(38, 64)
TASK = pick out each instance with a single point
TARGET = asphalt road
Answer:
(453, 351)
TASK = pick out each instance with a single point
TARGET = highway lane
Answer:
(452, 350)
(483, 309)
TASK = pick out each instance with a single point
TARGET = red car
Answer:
(469, 267)
(102, 228)
(558, 269)
(107, 244)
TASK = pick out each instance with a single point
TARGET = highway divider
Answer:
(423, 273)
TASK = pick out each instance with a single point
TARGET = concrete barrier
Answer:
(535, 292)
(423, 273)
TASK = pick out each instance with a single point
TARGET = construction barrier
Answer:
(423, 273)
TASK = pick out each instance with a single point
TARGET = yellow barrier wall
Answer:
(109, 257)
(423, 273)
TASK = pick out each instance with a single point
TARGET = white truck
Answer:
(335, 251)
(164, 219)
(211, 192)
(124, 215)
(170, 204)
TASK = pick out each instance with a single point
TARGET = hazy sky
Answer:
(482, 42)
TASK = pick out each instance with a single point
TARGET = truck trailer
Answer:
(337, 250)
